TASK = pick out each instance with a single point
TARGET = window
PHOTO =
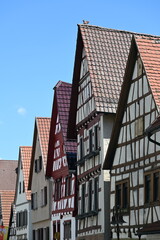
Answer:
(90, 141)
(44, 196)
(21, 218)
(57, 194)
(122, 194)
(25, 218)
(38, 164)
(156, 186)
(96, 187)
(96, 138)
(20, 187)
(34, 234)
(83, 199)
(23, 187)
(90, 196)
(81, 148)
(68, 186)
(67, 230)
(47, 233)
(34, 204)
(147, 188)
(151, 187)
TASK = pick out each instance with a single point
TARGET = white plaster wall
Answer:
(39, 182)
(25, 230)
(21, 197)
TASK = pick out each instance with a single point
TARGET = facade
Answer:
(101, 56)
(7, 192)
(134, 160)
(22, 200)
(12, 224)
(38, 183)
(61, 166)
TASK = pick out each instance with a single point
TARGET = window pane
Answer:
(83, 199)
(96, 137)
(90, 140)
(147, 188)
(125, 195)
(156, 186)
(81, 148)
(96, 194)
(118, 195)
(90, 196)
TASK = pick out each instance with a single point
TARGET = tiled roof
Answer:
(107, 52)
(149, 48)
(7, 197)
(63, 94)
(25, 153)
(8, 174)
(43, 126)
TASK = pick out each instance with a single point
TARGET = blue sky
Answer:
(37, 49)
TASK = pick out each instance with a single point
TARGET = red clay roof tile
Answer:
(107, 51)
(63, 93)
(7, 197)
(25, 153)
(43, 126)
(149, 48)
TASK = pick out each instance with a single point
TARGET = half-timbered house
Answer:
(134, 160)
(101, 56)
(61, 166)
(22, 199)
(39, 185)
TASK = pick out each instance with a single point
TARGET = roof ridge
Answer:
(116, 30)
(25, 146)
(43, 118)
(60, 83)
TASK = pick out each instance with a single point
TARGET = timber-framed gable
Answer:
(61, 166)
(95, 93)
(131, 156)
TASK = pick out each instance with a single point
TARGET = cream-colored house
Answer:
(38, 183)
